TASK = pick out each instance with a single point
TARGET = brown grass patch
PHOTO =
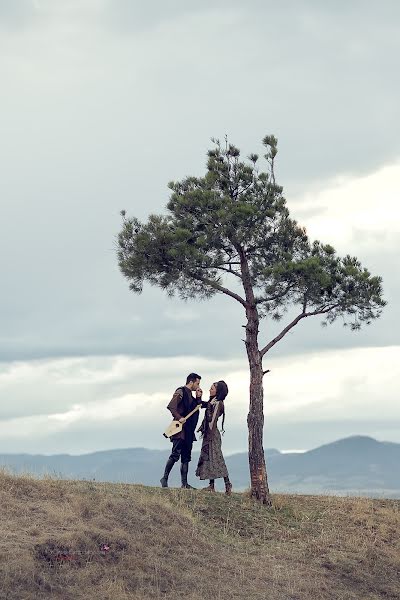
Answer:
(176, 544)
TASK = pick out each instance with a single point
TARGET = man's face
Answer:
(196, 385)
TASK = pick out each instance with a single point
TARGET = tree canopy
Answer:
(233, 225)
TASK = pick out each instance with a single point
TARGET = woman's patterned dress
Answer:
(211, 463)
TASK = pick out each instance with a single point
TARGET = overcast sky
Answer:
(102, 102)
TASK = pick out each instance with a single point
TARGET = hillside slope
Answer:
(84, 540)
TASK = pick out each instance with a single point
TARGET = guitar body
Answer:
(176, 426)
(173, 428)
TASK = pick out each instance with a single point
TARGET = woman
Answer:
(211, 463)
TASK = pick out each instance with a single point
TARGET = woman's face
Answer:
(213, 390)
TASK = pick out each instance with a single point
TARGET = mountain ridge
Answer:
(356, 465)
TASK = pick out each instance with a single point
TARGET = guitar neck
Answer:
(192, 413)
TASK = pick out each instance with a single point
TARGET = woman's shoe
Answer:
(209, 488)
(228, 489)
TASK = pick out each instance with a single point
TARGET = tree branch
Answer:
(230, 270)
(291, 325)
(244, 189)
(276, 296)
(223, 290)
(281, 334)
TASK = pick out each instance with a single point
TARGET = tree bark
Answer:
(255, 418)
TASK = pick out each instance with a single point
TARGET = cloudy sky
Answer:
(102, 102)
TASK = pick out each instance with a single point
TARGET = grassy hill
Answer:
(176, 544)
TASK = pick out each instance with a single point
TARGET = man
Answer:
(182, 404)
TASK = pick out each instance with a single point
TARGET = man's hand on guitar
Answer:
(182, 420)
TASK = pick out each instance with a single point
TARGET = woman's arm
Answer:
(216, 414)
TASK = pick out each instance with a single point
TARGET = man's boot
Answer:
(184, 474)
(168, 467)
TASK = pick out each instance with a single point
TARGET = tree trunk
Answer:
(255, 419)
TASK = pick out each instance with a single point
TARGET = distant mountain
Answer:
(356, 465)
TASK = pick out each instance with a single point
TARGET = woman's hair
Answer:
(221, 394)
(222, 390)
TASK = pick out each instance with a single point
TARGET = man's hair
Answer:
(192, 377)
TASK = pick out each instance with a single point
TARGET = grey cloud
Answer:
(48, 387)
(121, 402)
(15, 14)
(127, 16)
(104, 123)
(309, 72)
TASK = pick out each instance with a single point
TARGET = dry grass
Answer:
(174, 544)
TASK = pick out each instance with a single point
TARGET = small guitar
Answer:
(177, 426)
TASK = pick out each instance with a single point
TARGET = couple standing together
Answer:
(211, 463)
